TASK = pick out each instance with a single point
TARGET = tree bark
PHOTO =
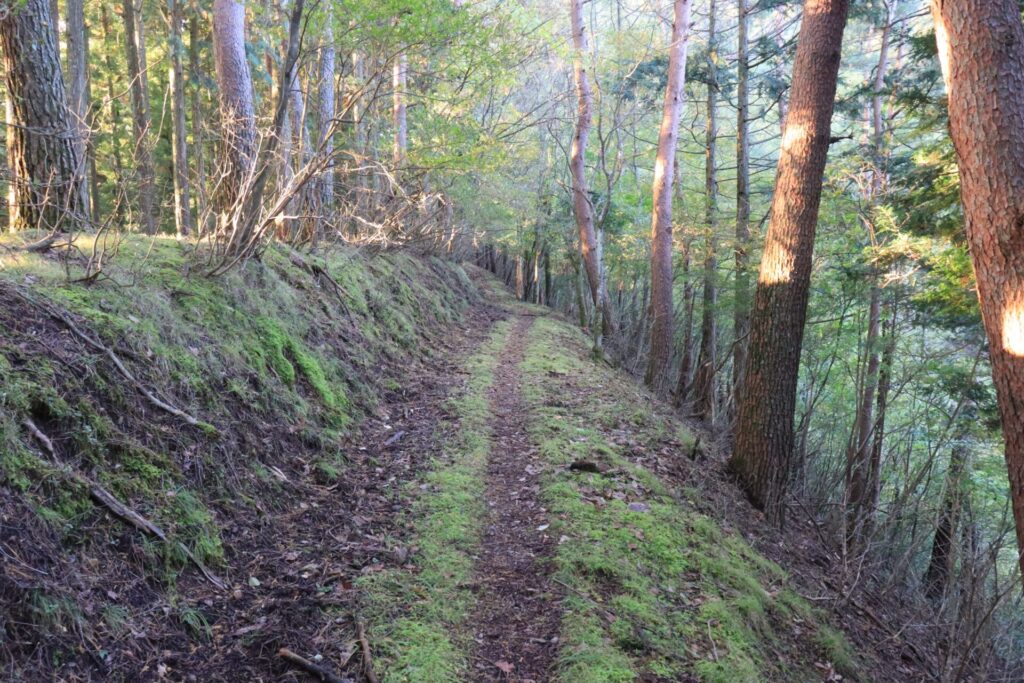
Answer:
(707, 359)
(141, 120)
(762, 454)
(686, 356)
(741, 249)
(236, 97)
(858, 459)
(44, 159)
(78, 93)
(943, 556)
(399, 81)
(583, 209)
(326, 101)
(199, 158)
(182, 201)
(981, 51)
(662, 311)
(115, 115)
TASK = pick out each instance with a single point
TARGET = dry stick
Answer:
(105, 498)
(303, 663)
(367, 657)
(117, 363)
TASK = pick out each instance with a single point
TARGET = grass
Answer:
(659, 589)
(416, 613)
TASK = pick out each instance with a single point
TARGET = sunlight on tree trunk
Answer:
(662, 312)
(762, 453)
(981, 51)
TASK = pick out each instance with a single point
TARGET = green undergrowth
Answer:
(415, 611)
(276, 363)
(657, 589)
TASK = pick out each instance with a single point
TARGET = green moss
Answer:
(657, 586)
(416, 614)
(834, 648)
(188, 520)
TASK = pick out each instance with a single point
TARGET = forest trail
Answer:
(515, 620)
(505, 509)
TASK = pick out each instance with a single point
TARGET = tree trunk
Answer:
(858, 459)
(358, 115)
(981, 50)
(662, 311)
(943, 557)
(582, 207)
(741, 249)
(326, 101)
(199, 158)
(236, 98)
(399, 81)
(78, 93)
(878, 433)
(704, 382)
(141, 120)
(182, 201)
(762, 453)
(115, 116)
(686, 357)
(44, 159)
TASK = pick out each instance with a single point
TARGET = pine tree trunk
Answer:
(182, 201)
(44, 160)
(981, 50)
(199, 158)
(762, 454)
(141, 120)
(78, 95)
(704, 382)
(662, 311)
(741, 313)
(236, 99)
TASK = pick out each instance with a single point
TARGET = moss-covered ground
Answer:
(277, 364)
(282, 368)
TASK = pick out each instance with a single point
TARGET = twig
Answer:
(105, 498)
(367, 657)
(714, 648)
(311, 668)
(99, 346)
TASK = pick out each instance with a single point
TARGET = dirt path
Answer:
(516, 619)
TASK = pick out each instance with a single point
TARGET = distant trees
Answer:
(662, 313)
(142, 155)
(764, 434)
(981, 51)
(44, 151)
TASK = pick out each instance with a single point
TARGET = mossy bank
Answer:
(271, 367)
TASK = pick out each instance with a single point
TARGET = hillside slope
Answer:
(369, 465)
